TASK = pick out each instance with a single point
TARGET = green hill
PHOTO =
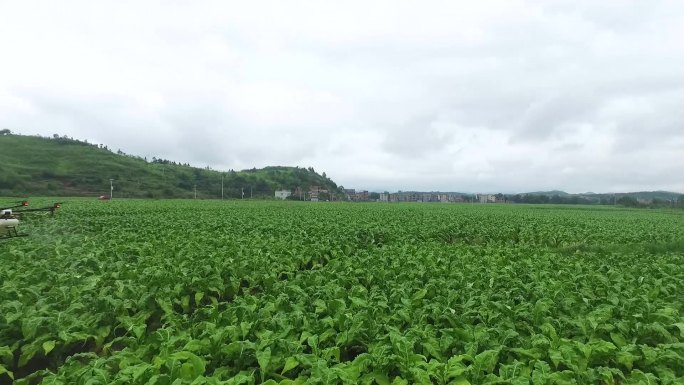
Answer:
(549, 193)
(646, 195)
(60, 166)
(666, 196)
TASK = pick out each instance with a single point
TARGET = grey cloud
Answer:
(568, 147)
(503, 96)
(415, 138)
(548, 116)
(97, 117)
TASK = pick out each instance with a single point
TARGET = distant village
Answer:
(316, 193)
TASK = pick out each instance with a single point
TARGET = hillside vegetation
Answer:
(60, 166)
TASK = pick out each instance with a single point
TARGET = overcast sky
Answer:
(474, 96)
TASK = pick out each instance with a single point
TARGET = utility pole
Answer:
(195, 191)
(111, 188)
(221, 186)
(250, 193)
(242, 190)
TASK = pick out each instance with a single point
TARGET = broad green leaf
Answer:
(637, 377)
(320, 306)
(680, 326)
(6, 355)
(380, 378)
(194, 365)
(541, 373)
(618, 339)
(601, 348)
(419, 295)
(565, 377)
(195, 346)
(198, 297)
(304, 336)
(626, 358)
(264, 359)
(486, 361)
(556, 357)
(140, 370)
(27, 353)
(48, 346)
(455, 367)
(4, 370)
(290, 363)
(185, 303)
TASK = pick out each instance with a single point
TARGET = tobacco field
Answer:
(225, 292)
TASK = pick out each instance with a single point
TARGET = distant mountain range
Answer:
(549, 193)
(645, 195)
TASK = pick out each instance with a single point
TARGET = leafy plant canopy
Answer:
(211, 292)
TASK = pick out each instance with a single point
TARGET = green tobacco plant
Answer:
(210, 292)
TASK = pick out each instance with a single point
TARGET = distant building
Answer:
(357, 196)
(299, 193)
(417, 196)
(282, 194)
(314, 193)
(408, 197)
(361, 196)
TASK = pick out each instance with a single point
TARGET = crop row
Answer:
(226, 293)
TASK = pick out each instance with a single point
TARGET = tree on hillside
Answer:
(5, 131)
(628, 201)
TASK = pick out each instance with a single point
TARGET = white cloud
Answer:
(430, 95)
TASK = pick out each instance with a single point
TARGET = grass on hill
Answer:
(37, 166)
